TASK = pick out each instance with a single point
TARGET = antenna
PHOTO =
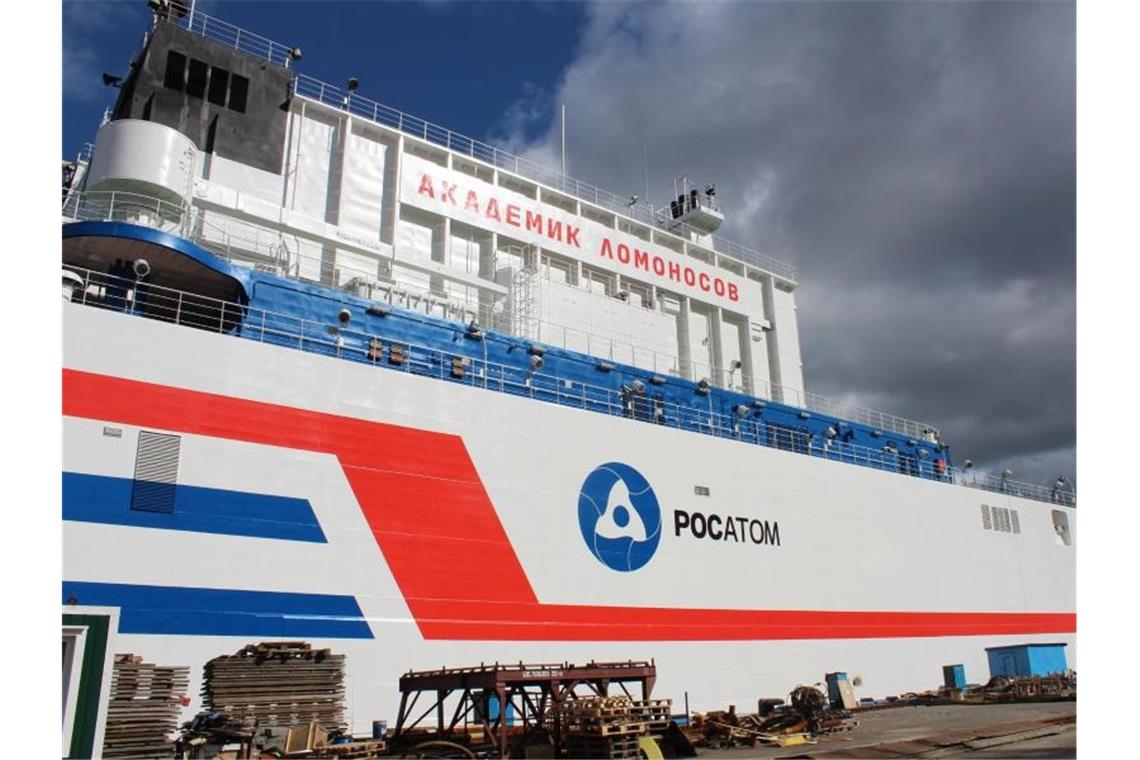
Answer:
(563, 139)
(645, 163)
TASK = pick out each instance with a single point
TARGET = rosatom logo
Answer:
(619, 516)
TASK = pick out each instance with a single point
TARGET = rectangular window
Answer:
(196, 82)
(175, 76)
(219, 83)
(239, 91)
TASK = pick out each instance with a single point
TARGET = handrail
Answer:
(184, 308)
(226, 33)
(320, 92)
(267, 246)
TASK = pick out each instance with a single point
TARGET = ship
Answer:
(335, 374)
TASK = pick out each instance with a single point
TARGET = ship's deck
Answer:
(239, 320)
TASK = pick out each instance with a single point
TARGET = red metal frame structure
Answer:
(532, 691)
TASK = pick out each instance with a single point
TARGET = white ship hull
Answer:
(879, 575)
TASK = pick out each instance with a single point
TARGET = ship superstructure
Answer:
(338, 374)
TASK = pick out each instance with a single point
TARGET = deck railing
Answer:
(183, 308)
(226, 33)
(247, 242)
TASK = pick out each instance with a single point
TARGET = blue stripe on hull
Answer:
(223, 612)
(100, 499)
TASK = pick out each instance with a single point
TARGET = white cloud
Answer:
(916, 161)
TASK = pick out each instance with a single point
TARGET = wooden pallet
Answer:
(145, 707)
(603, 729)
(278, 684)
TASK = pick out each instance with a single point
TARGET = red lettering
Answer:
(448, 193)
(623, 253)
(674, 271)
(472, 202)
(718, 287)
(733, 292)
(513, 215)
(704, 281)
(493, 210)
(553, 229)
(572, 236)
(690, 277)
(534, 222)
(607, 249)
(658, 266)
(640, 259)
(425, 187)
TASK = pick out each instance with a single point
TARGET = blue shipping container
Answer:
(1022, 660)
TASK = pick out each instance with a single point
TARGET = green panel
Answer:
(90, 683)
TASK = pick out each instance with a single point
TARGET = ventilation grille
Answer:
(1000, 519)
(156, 472)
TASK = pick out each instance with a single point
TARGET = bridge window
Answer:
(196, 81)
(219, 81)
(175, 76)
(239, 92)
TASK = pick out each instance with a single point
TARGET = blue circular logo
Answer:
(619, 517)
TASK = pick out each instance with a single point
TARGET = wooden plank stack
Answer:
(144, 709)
(278, 683)
(605, 727)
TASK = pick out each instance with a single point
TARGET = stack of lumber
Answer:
(600, 727)
(278, 683)
(146, 703)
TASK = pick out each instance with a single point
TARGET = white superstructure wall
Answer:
(391, 217)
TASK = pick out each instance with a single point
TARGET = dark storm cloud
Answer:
(916, 161)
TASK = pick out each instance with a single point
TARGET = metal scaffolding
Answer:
(516, 703)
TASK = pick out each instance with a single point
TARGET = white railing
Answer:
(184, 308)
(884, 421)
(221, 31)
(246, 242)
(326, 94)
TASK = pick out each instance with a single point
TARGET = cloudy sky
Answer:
(915, 161)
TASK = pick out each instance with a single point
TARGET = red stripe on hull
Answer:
(433, 520)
